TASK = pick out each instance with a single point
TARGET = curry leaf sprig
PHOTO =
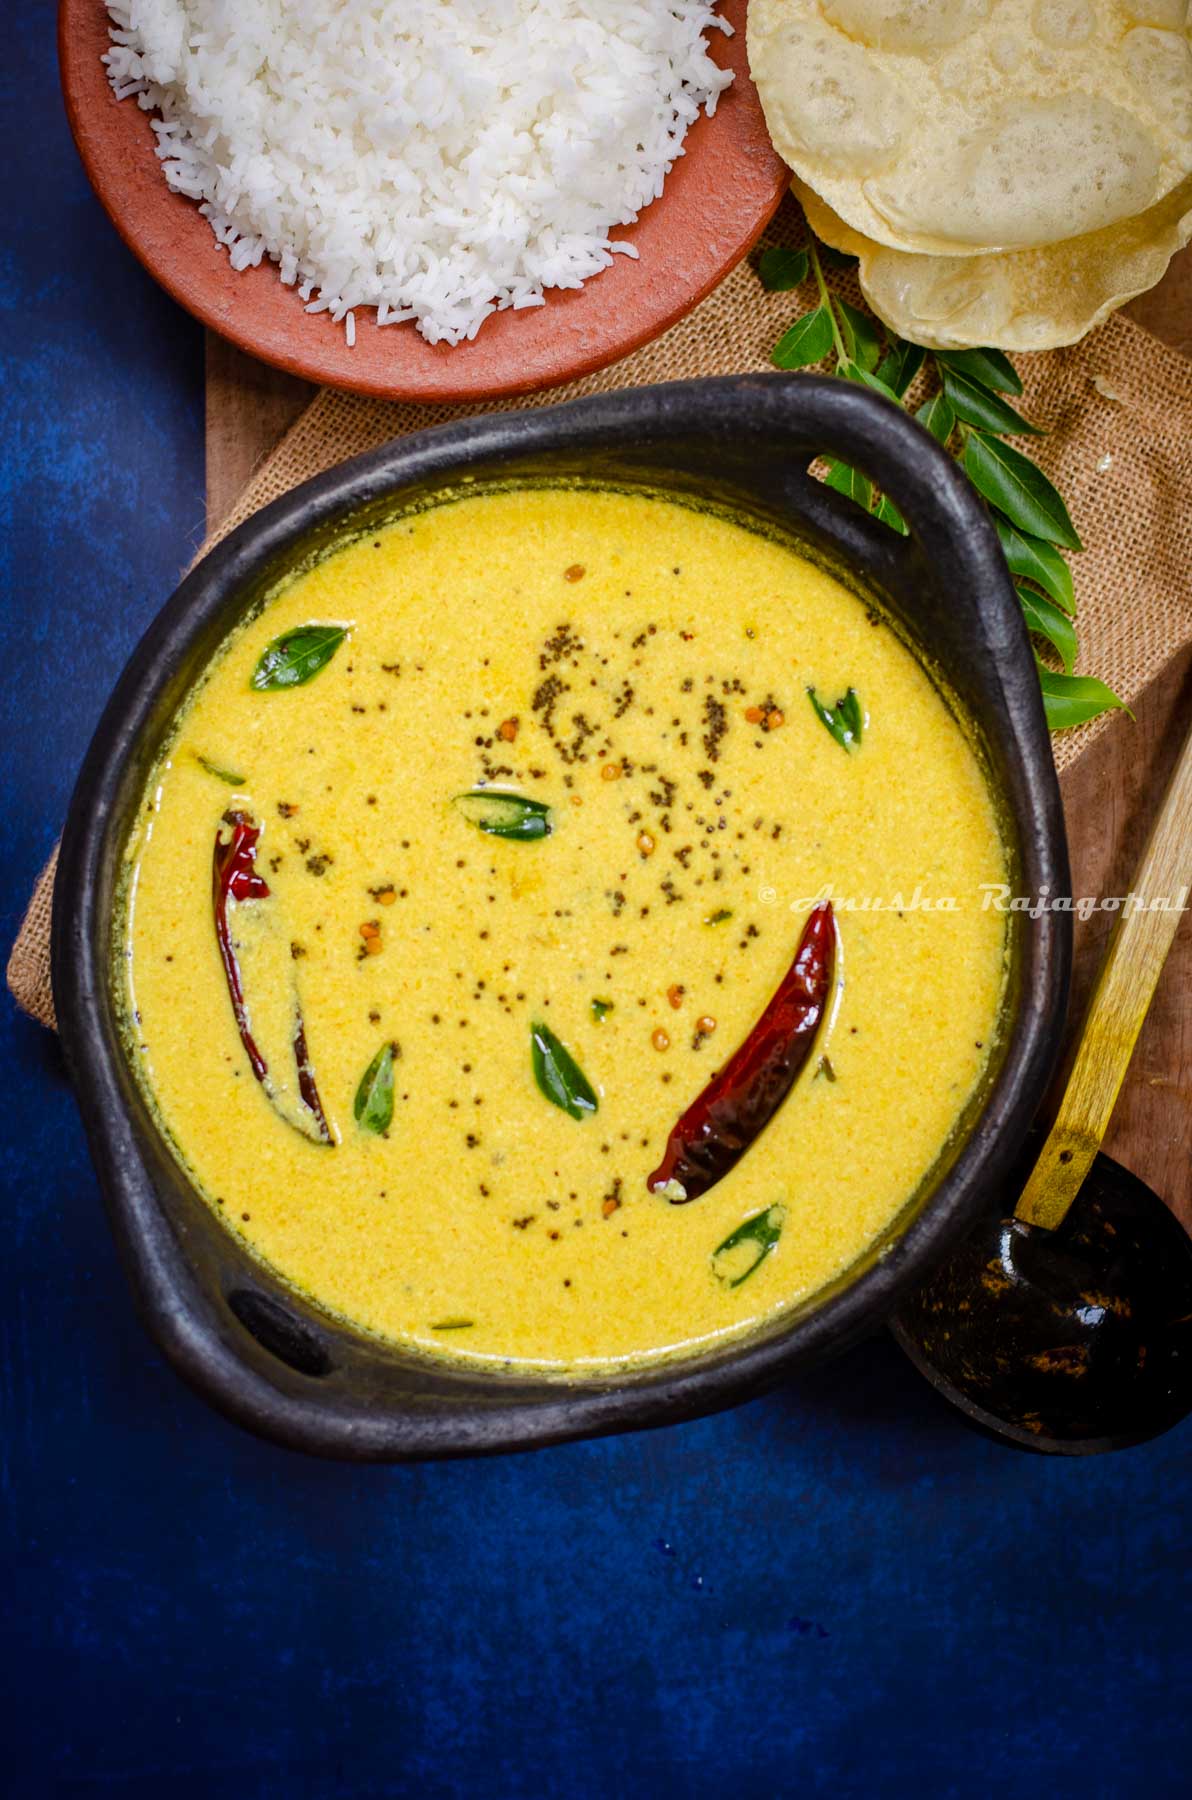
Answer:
(968, 414)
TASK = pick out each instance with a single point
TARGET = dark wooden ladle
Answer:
(1065, 1325)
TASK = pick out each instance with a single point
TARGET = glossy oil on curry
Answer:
(555, 930)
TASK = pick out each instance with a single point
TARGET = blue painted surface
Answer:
(834, 1590)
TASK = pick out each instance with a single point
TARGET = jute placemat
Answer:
(1117, 409)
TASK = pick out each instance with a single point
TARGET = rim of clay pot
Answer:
(236, 1332)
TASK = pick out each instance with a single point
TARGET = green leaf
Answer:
(808, 341)
(720, 917)
(506, 815)
(937, 416)
(849, 709)
(988, 368)
(761, 1231)
(852, 371)
(862, 339)
(1034, 560)
(782, 269)
(296, 657)
(912, 362)
(900, 365)
(227, 775)
(977, 406)
(850, 482)
(454, 1325)
(845, 721)
(1018, 487)
(601, 1010)
(835, 259)
(1045, 617)
(372, 1108)
(889, 514)
(558, 1074)
(1074, 699)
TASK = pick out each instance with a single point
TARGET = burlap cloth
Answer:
(1117, 408)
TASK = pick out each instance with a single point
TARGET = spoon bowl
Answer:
(1064, 1321)
(1070, 1341)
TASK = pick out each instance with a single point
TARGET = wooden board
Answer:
(1110, 797)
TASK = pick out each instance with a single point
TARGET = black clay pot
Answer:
(242, 1338)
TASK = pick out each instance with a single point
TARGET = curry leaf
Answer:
(900, 365)
(977, 406)
(558, 1074)
(850, 482)
(853, 371)
(808, 341)
(372, 1108)
(1045, 617)
(297, 656)
(506, 815)
(988, 368)
(861, 337)
(937, 416)
(1034, 560)
(1074, 699)
(889, 514)
(1018, 487)
(782, 269)
(762, 1231)
(601, 1009)
(232, 779)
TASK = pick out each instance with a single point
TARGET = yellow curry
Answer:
(477, 870)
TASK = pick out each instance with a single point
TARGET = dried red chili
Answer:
(739, 1102)
(234, 877)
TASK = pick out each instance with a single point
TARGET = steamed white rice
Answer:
(436, 159)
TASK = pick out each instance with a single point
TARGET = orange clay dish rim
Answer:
(718, 199)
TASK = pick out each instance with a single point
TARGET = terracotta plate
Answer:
(717, 200)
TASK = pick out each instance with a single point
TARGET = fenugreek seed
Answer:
(371, 928)
(574, 573)
(372, 946)
(660, 1039)
(675, 995)
(774, 719)
(386, 897)
(507, 730)
(705, 1025)
(754, 715)
(645, 843)
(576, 800)
(610, 772)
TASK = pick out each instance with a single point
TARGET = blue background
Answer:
(834, 1590)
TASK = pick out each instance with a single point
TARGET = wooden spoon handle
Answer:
(1142, 937)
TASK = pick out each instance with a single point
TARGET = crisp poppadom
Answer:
(959, 127)
(1014, 300)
